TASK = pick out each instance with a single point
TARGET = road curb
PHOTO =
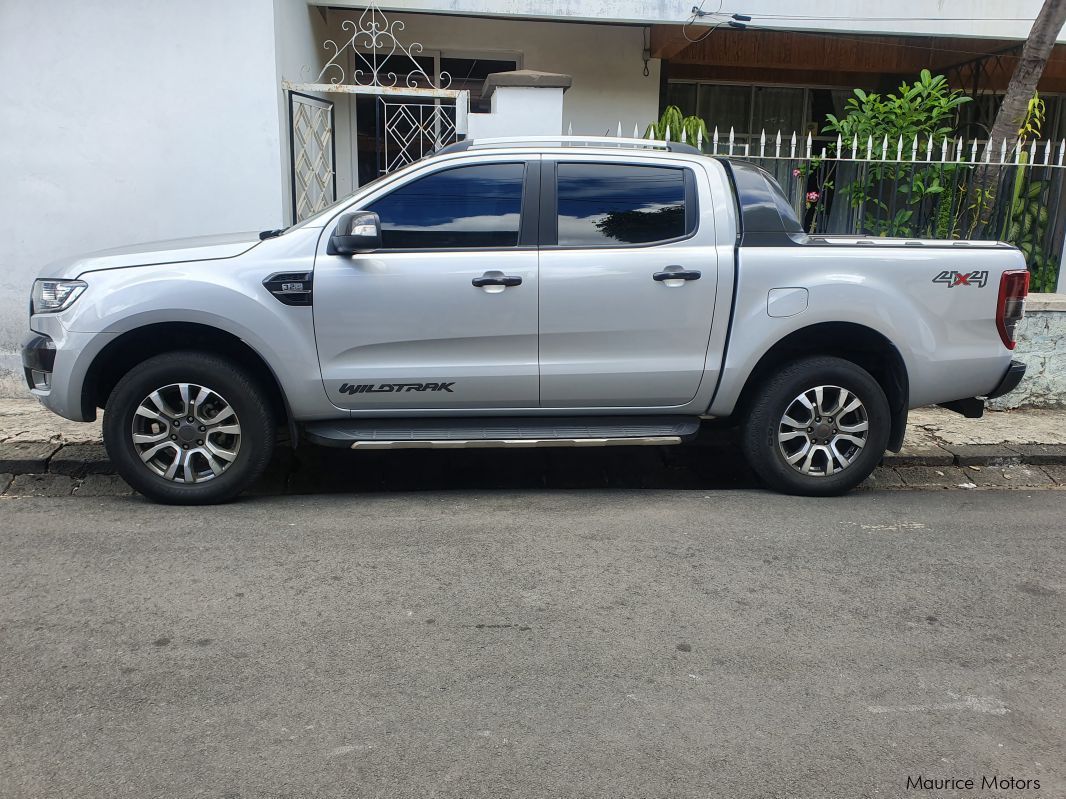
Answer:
(26, 457)
(978, 455)
(81, 460)
(50, 457)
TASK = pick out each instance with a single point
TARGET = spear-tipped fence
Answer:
(945, 188)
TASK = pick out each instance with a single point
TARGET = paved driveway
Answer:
(532, 643)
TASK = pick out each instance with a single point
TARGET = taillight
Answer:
(1013, 287)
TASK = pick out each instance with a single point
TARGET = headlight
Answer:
(50, 296)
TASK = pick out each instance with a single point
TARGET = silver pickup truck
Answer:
(525, 293)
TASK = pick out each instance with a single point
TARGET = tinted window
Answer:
(789, 219)
(764, 207)
(617, 204)
(471, 206)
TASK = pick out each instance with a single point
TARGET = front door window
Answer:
(471, 207)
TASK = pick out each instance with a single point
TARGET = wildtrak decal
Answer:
(393, 388)
(953, 278)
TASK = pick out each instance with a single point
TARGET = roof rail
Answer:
(570, 141)
(454, 147)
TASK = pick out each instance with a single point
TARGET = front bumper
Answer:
(38, 361)
(56, 362)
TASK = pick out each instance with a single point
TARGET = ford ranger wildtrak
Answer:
(533, 292)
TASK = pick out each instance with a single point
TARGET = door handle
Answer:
(678, 274)
(496, 280)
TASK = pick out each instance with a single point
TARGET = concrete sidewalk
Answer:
(942, 449)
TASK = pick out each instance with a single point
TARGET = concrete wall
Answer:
(1042, 346)
(520, 111)
(130, 121)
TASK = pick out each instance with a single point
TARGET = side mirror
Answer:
(355, 233)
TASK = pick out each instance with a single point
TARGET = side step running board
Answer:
(548, 431)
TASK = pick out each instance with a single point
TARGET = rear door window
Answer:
(609, 205)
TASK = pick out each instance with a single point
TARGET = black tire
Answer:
(228, 380)
(776, 395)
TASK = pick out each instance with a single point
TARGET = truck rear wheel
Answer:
(818, 427)
(188, 428)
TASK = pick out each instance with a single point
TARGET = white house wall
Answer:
(129, 121)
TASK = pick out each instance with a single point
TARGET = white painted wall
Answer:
(520, 111)
(1010, 19)
(130, 121)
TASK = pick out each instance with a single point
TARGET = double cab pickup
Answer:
(526, 292)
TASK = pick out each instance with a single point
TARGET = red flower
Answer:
(796, 173)
(813, 196)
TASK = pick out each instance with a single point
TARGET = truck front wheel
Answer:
(188, 428)
(818, 427)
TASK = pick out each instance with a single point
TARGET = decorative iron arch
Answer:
(374, 47)
(419, 111)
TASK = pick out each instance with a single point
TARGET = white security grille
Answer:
(414, 130)
(313, 170)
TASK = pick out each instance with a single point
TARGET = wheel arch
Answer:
(859, 344)
(134, 346)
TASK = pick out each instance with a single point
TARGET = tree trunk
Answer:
(1027, 72)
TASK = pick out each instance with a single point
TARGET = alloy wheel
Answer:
(823, 431)
(186, 433)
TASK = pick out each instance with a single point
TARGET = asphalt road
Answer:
(533, 643)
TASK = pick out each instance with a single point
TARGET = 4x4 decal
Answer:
(394, 388)
(954, 278)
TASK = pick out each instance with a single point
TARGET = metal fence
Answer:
(944, 189)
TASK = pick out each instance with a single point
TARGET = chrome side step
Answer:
(489, 443)
(470, 432)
